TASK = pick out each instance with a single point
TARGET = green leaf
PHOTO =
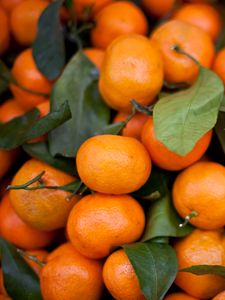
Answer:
(154, 188)
(220, 129)
(222, 107)
(112, 128)
(20, 281)
(49, 47)
(41, 152)
(205, 269)
(5, 77)
(155, 265)
(163, 221)
(22, 129)
(78, 84)
(182, 118)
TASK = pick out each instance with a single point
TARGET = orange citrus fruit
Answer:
(220, 296)
(89, 8)
(134, 126)
(132, 69)
(26, 74)
(113, 164)
(179, 296)
(24, 20)
(100, 222)
(201, 188)
(116, 19)
(120, 278)
(7, 159)
(190, 39)
(164, 158)
(14, 230)
(200, 248)
(71, 276)
(9, 110)
(96, 56)
(43, 209)
(204, 16)
(158, 8)
(219, 64)
(63, 249)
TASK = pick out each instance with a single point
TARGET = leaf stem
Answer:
(188, 218)
(181, 51)
(148, 110)
(31, 257)
(26, 185)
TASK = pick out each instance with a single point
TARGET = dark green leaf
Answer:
(220, 129)
(154, 188)
(5, 77)
(20, 281)
(206, 269)
(222, 107)
(69, 3)
(49, 47)
(112, 128)
(182, 118)
(41, 152)
(155, 265)
(78, 84)
(163, 221)
(22, 129)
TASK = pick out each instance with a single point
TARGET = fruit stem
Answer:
(26, 185)
(74, 189)
(31, 257)
(181, 51)
(187, 218)
(148, 110)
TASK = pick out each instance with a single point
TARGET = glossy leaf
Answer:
(155, 265)
(206, 269)
(163, 221)
(154, 188)
(112, 128)
(182, 118)
(41, 152)
(5, 77)
(78, 84)
(22, 129)
(20, 281)
(49, 47)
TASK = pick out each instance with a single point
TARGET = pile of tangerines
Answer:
(78, 242)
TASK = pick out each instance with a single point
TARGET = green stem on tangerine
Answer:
(181, 51)
(26, 185)
(79, 189)
(31, 257)
(188, 218)
(148, 110)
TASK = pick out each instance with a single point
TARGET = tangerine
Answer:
(120, 278)
(117, 19)
(113, 164)
(190, 39)
(92, 228)
(200, 248)
(132, 69)
(165, 158)
(201, 188)
(43, 209)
